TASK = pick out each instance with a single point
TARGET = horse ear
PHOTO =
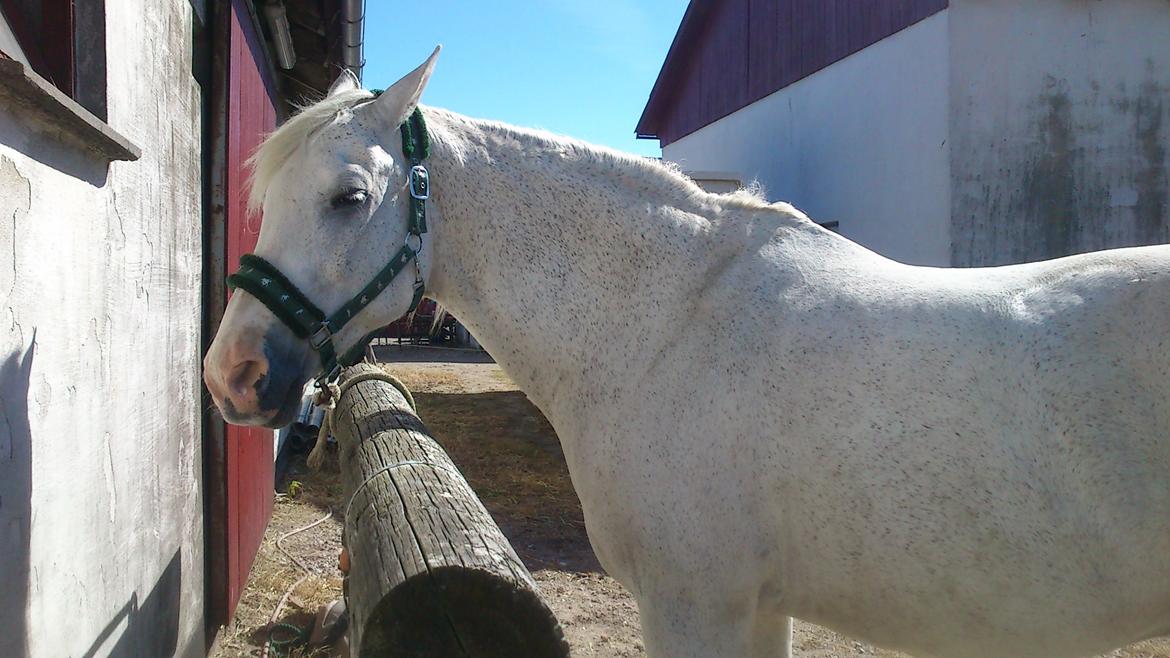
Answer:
(347, 81)
(397, 102)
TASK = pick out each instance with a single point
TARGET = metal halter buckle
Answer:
(321, 336)
(420, 183)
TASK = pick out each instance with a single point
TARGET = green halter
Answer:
(263, 281)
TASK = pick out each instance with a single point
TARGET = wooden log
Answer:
(430, 572)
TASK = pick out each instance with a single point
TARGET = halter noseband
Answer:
(266, 283)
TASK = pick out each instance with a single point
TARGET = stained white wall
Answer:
(862, 142)
(101, 545)
(1061, 127)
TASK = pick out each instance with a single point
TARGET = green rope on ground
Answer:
(299, 636)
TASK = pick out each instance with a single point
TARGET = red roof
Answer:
(728, 54)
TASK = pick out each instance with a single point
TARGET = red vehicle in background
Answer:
(427, 324)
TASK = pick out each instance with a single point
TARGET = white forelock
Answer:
(279, 146)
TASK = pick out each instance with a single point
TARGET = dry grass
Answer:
(273, 573)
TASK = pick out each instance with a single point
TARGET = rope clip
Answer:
(327, 391)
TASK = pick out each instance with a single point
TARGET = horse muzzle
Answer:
(255, 382)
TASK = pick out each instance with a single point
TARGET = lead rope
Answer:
(327, 397)
(298, 633)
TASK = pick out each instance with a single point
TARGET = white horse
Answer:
(762, 419)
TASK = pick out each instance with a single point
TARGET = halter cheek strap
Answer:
(266, 283)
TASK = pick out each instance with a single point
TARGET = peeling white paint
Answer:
(111, 488)
(17, 194)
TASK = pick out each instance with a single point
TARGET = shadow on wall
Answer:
(149, 628)
(40, 144)
(15, 500)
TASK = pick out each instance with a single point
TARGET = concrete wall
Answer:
(101, 546)
(862, 142)
(1060, 124)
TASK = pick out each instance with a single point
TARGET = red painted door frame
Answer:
(238, 461)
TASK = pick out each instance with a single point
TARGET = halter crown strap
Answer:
(416, 146)
(266, 283)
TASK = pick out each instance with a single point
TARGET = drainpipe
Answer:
(353, 18)
(286, 56)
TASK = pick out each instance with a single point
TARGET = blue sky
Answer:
(582, 68)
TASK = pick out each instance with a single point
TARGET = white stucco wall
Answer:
(100, 505)
(862, 142)
(1061, 127)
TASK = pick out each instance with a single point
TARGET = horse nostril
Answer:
(246, 376)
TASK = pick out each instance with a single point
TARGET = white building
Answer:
(968, 132)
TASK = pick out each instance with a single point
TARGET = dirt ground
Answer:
(510, 456)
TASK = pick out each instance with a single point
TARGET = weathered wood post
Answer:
(430, 572)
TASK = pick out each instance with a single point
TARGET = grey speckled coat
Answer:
(761, 418)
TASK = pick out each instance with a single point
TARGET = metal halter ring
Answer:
(417, 250)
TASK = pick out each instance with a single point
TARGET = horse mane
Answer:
(279, 145)
(666, 173)
(276, 149)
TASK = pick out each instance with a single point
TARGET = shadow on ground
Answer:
(406, 353)
(511, 457)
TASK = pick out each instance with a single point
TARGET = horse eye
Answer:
(349, 198)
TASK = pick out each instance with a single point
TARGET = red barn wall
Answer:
(240, 461)
(735, 52)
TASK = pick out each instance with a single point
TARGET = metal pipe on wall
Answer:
(352, 35)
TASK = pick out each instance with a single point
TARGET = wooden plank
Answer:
(430, 572)
(248, 460)
(725, 62)
(792, 59)
(765, 47)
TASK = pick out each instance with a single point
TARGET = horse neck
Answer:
(571, 265)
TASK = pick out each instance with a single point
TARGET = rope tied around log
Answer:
(327, 398)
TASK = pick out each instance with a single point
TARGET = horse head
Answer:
(338, 254)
